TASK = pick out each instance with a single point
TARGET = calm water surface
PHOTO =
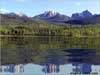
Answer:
(50, 56)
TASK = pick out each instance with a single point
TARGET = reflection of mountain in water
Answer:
(51, 68)
(54, 50)
(82, 55)
(81, 68)
(12, 68)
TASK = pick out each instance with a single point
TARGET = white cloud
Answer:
(78, 3)
(2, 10)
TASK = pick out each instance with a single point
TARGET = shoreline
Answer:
(47, 36)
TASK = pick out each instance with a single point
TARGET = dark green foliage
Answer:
(36, 49)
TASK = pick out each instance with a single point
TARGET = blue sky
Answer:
(34, 7)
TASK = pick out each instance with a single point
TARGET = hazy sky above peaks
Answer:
(34, 7)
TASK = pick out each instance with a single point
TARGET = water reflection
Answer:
(82, 68)
(50, 55)
(52, 69)
(12, 68)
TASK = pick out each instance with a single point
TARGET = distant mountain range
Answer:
(84, 14)
(82, 18)
(53, 16)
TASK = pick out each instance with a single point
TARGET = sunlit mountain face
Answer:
(82, 18)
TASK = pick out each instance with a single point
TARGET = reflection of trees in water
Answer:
(45, 49)
(51, 42)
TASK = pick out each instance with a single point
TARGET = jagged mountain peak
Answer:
(53, 16)
(84, 17)
(86, 13)
(52, 13)
(20, 14)
(83, 14)
(47, 14)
